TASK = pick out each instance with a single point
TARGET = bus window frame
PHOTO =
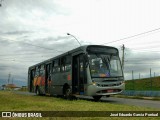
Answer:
(66, 63)
(42, 70)
(37, 71)
(56, 66)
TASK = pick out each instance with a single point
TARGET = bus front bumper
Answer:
(94, 90)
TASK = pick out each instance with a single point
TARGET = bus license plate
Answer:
(109, 91)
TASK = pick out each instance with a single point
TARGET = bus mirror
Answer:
(86, 61)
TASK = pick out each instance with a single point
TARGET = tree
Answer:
(3, 87)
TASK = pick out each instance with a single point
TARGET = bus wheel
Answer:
(67, 94)
(96, 98)
(37, 91)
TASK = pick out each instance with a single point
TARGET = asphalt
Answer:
(135, 102)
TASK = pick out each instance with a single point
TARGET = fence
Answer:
(141, 93)
(143, 87)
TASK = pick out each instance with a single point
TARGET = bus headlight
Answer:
(93, 83)
(123, 82)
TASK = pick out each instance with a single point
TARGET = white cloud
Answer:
(91, 21)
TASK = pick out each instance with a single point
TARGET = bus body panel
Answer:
(57, 80)
(95, 90)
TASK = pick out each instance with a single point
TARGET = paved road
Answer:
(135, 102)
(127, 101)
(115, 100)
(24, 93)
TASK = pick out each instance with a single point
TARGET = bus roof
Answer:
(78, 49)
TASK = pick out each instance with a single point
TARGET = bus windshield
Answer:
(104, 65)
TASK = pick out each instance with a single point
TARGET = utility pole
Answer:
(123, 48)
(12, 80)
(9, 75)
(132, 75)
(133, 80)
(139, 75)
(151, 77)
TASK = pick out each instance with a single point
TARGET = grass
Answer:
(143, 84)
(137, 97)
(15, 102)
(12, 101)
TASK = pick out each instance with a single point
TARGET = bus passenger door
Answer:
(31, 80)
(48, 78)
(78, 71)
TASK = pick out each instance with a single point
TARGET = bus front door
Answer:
(78, 72)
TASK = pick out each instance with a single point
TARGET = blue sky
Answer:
(34, 30)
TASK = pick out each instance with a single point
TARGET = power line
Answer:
(145, 50)
(15, 60)
(149, 45)
(143, 58)
(42, 47)
(34, 45)
(134, 35)
(126, 70)
(123, 48)
(8, 56)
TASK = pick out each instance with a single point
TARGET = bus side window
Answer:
(42, 71)
(37, 72)
(53, 70)
(68, 67)
(68, 64)
(32, 73)
(63, 60)
(56, 66)
(53, 67)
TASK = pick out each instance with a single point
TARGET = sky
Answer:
(32, 31)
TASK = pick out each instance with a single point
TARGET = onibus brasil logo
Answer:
(21, 114)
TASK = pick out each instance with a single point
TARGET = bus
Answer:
(89, 70)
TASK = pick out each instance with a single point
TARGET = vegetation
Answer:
(137, 97)
(11, 101)
(23, 88)
(146, 84)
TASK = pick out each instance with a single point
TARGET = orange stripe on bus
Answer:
(38, 80)
(35, 81)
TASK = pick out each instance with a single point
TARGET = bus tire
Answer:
(37, 91)
(67, 92)
(96, 98)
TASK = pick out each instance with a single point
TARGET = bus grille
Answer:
(109, 91)
(108, 85)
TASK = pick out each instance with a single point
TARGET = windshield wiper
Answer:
(106, 61)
